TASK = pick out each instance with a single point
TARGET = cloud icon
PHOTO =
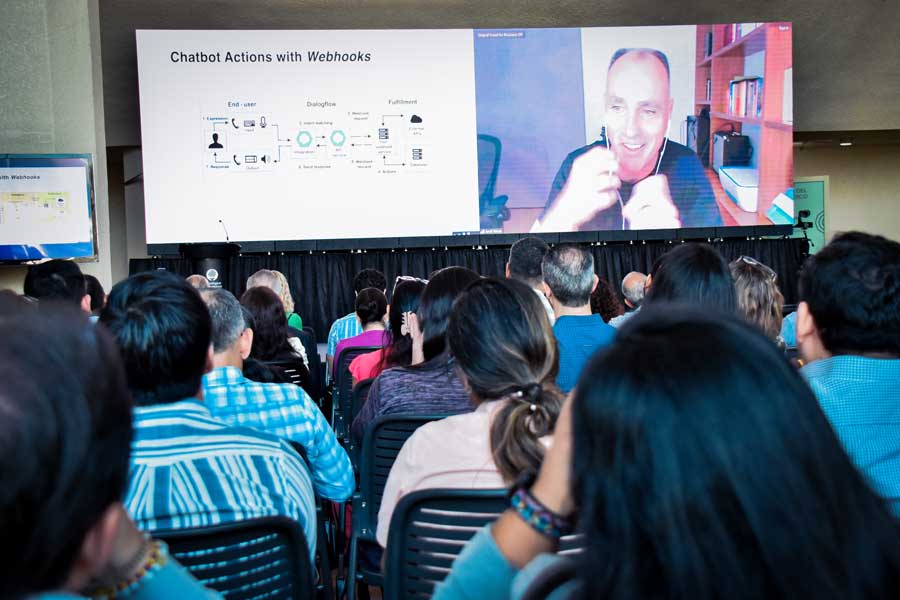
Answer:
(415, 119)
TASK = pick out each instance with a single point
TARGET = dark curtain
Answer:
(321, 283)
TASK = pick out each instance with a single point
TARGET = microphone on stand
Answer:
(225, 229)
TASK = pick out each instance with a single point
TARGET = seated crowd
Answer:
(666, 425)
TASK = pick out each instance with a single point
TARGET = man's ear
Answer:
(808, 340)
(245, 343)
(546, 289)
(594, 285)
(507, 270)
(96, 548)
(86, 303)
(209, 360)
(647, 283)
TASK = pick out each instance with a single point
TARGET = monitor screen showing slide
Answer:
(305, 135)
(45, 207)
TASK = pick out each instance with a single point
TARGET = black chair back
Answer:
(344, 385)
(428, 531)
(257, 558)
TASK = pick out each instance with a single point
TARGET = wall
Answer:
(864, 186)
(51, 98)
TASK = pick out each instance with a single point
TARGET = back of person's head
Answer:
(703, 467)
(198, 282)
(758, 296)
(633, 286)
(443, 288)
(162, 328)
(270, 328)
(693, 274)
(285, 294)
(369, 278)
(227, 318)
(56, 279)
(569, 273)
(404, 300)
(371, 306)
(65, 434)
(852, 290)
(605, 301)
(525, 258)
(500, 336)
(95, 291)
(265, 278)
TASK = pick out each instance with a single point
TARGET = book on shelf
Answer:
(746, 28)
(709, 44)
(745, 97)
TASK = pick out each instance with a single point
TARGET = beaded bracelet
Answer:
(156, 558)
(539, 517)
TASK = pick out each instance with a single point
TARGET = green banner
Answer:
(809, 194)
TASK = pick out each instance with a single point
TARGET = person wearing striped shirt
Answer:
(349, 326)
(281, 409)
(189, 469)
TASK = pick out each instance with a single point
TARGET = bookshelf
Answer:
(760, 56)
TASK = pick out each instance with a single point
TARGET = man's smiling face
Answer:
(638, 109)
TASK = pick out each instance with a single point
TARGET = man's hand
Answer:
(592, 186)
(651, 205)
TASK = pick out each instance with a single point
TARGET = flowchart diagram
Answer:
(384, 143)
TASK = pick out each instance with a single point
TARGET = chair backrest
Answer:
(344, 380)
(382, 442)
(360, 395)
(428, 531)
(257, 558)
(288, 369)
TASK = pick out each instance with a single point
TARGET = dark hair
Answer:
(658, 55)
(692, 274)
(65, 434)
(852, 288)
(500, 336)
(226, 315)
(404, 299)
(525, 258)
(569, 273)
(605, 301)
(95, 291)
(443, 288)
(56, 280)
(162, 328)
(369, 278)
(371, 306)
(715, 474)
(270, 328)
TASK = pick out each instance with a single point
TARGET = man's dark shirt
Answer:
(690, 190)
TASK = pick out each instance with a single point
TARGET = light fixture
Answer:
(845, 142)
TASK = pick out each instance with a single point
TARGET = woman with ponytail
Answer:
(501, 340)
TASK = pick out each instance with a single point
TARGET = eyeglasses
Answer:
(767, 270)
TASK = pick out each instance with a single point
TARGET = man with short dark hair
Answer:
(59, 280)
(524, 265)
(569, 279)
(282, 409)
(633, 291)
(348, 326)
(189, 469)
(848, 330)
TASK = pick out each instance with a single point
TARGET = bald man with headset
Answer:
(634, 176)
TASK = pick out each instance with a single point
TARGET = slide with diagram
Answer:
(288, 135)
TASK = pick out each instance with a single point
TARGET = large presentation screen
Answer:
(303, 135)
(46, 207)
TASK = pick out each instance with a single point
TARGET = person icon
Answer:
(215, 143)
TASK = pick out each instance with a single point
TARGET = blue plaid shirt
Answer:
(284, 410)
(859, 397)
(191, 470)
(345, 327)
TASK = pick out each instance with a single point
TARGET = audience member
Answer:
(789, 330)
(504, 347)
(633, 286)
(848, 330)
(284, 410)
(59, 280)
(694, 274)
(278, 283)
(525, 265)
(95, 291)
(569, 279)
(198, 282)
(189, 469)
(256, 370)
(404, 301)
(713, 474)
(348, 325)
(758, 296)
(64, 445)
(431, 383)
(371, 310)
(605, 301)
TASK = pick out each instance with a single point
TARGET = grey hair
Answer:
(569, 272)
(634, 290)
(265, 278)
(228, 321)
